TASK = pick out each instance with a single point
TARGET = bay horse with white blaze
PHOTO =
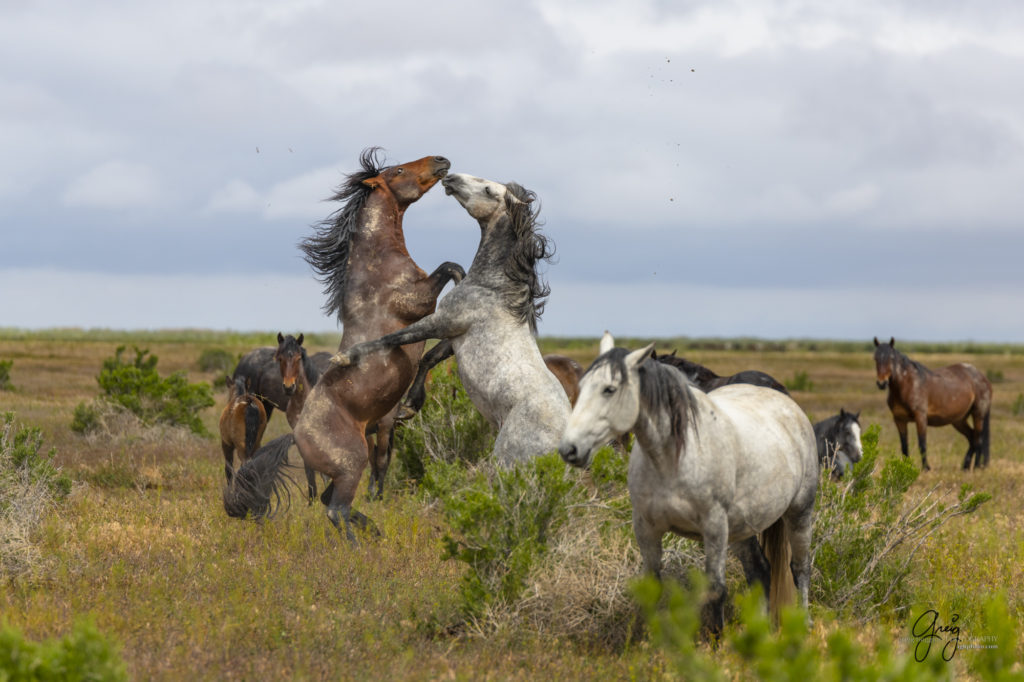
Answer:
(721, 467)
(938, 397)
(375, 288)
(490, 319)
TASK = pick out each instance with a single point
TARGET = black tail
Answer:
(252, 426)
(260, 485)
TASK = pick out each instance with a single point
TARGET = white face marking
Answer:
(859, 450)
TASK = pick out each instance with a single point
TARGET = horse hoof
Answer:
(341, 359)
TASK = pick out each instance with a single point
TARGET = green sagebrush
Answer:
(5, 375)
(752, 649)
(22, 462)
(139, 388)
(83, 654)
(866, 532)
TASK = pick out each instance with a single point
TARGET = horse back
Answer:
(954, 391)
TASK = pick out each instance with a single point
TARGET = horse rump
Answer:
(260, 486)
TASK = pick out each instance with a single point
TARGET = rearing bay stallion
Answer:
(375, 288)
(937, 397)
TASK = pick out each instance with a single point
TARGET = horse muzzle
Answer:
(882, 385)
(572, 455)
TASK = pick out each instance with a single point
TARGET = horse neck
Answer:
(496, 241)
(653, 428)
(308, 374)
(380, 228)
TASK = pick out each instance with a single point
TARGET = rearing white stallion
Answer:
(490, 319)
(720, 467)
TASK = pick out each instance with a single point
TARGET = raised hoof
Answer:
(341, 359)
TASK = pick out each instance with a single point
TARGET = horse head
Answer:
(485, 200)
(289, 356)
(848, 439)
(408, 182)
(608, 404)
(885, 356)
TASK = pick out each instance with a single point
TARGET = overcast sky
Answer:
(772, 169)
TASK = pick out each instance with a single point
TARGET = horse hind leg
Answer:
(755, 564)
(380, 457)
(229, 454)
(973, 441)
(921, 422)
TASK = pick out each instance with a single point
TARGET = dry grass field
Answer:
(144, 548)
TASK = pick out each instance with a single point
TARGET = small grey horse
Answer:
(721, 467)
(490, 319)
(839, 444)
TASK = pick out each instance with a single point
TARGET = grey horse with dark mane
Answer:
(721, 467)
(839, 446)
(490, 319)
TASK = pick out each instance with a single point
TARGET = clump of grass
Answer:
(995, 376)
(217, 360)
(139, 388)
(5, 375)
(866, 533)
(1018, 405)
(30, 485)
(800, 382)
(83, 654)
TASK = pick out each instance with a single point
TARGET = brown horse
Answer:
(935, 398)
(376, 288)
(242, 423)
(568, 373)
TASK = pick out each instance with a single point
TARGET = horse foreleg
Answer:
(417, 393)
(649, 542)
(716, 544)
(921, 424)
(445, 272)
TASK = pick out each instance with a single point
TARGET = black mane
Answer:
(327, 250)
(527, 290)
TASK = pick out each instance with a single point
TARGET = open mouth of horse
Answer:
(447, 182)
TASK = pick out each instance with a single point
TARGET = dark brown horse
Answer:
(259, 369)
(376, 288)
(706, 380)
(242, 423)
(935, 398)
(568, 373)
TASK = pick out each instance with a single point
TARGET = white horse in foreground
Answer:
(720, 467)
(490, 319)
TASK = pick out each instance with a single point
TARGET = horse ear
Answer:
(374, 182)
(876, 342)
(301, 338)
(892, 341)
(842, 412)
(227, 381)
(637, 357)
(280, 338)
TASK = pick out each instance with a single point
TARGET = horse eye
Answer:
(399, 171)
(608, 390)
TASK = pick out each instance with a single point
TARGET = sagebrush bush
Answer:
(217, 360)
(83, 654)
(866, 532)
(752, 649)
(500, 521)
(5, 375)
(449, 428)
(801, 381)
(139, 388)
(30, 484)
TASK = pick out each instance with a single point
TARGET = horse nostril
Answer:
(441, 159)
(567, 451)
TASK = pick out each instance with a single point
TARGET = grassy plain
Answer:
(143, 546)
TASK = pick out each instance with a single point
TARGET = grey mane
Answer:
(525, 290)
(328, 249)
